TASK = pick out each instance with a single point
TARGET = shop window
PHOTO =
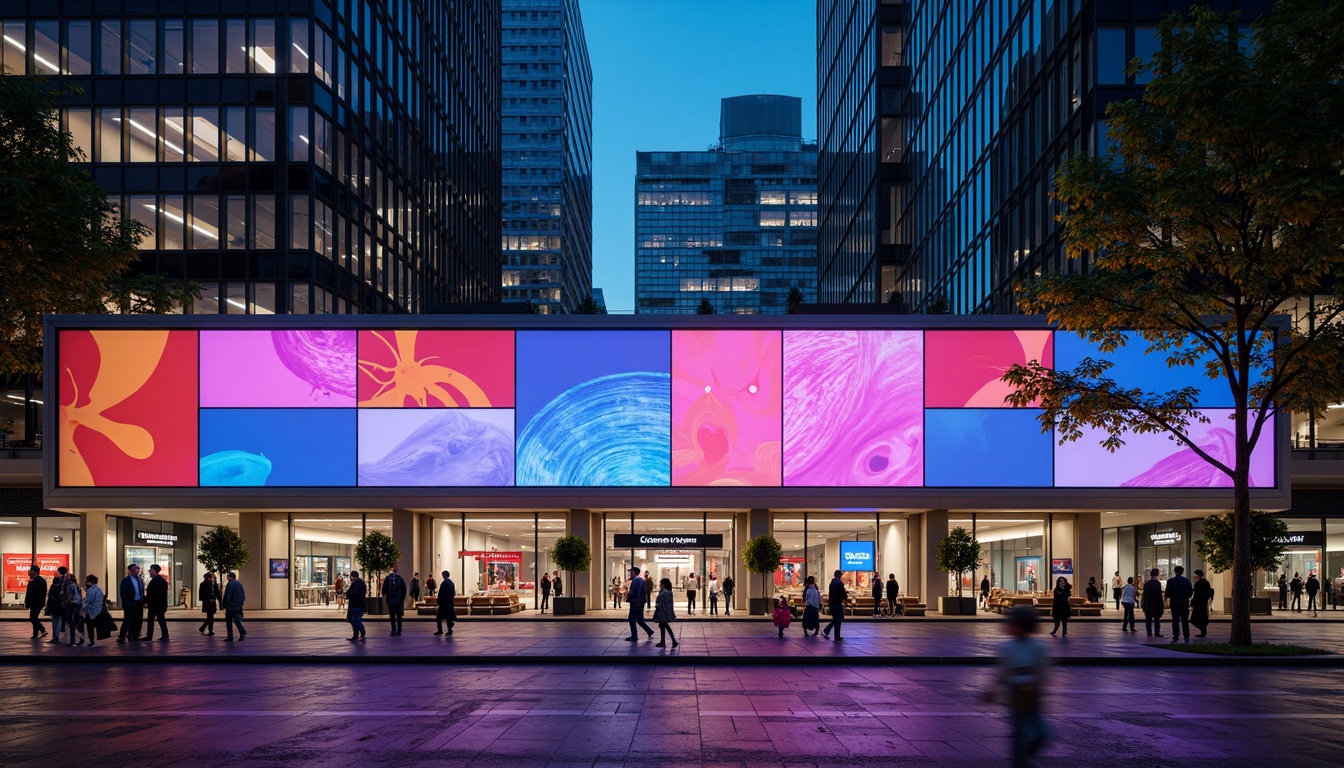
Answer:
(13, 48)
(142, 48)
(79, 48)
(204, 46)
(172, 57)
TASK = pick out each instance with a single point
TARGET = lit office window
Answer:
(772, 198)
(141, 135)
(262, 50)
(46, 48)
(205, 134)
(235, 222)
(208, 303)
(79, 47)
(109, 136)
(263, 135)
(772, 218)
(142, 48)
(172, 58)
(204, 46)
(263, 222)
(144, 209)
(204, 222)
(79, 122)
(15, 47)
(263, 299)
(173, 135)
(172, 223)
(1111, 59)
(235, 298)
(298, 46)
(235, 134)
(235, 48)
(299, 135)
(109, 48)
(299, 222)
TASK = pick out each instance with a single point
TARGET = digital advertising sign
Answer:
(276, 403)
(857, 555)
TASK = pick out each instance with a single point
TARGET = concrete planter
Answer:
(1260, 606)
(570, 606)
(760, 606)
(957, 606)
(375, 606)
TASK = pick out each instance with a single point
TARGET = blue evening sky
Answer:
(659, 70)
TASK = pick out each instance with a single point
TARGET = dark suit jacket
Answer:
(836, 594)
(36, 594)
(447, 594)
(1179, 592)
(637, 594)
(156, 594)
(545, 585)
(355, 594)
(394, 589)
(1152, 597)
(126, 591)
(208, 595)
(234, 596)
(877, 589)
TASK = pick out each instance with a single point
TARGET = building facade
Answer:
(548, 155)
(331, 156)
(734, 226)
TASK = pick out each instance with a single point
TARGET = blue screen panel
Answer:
(277, 447)
(857, 555)
(1134, 369)
(986, 447)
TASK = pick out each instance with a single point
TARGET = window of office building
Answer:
(1111, 56)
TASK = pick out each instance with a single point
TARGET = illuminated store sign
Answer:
(157, 539)
(857, 555)
(1302, 539)
(692, 540)
(1164, 538)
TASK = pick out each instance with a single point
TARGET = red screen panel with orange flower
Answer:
(436, 369)
(128, 402)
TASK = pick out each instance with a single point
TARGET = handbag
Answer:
(105, 625)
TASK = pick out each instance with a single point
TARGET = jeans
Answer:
(713, 603)
(356, 618)
(1029, 735)
(637, 617)
(208, 624)
(690, 601)
(1297, 601)
(57, 623)
(35, 618)
(1180, 619)
(1153, 623)
(545, 601)
(837, 618)
(230, 619)
(163, 624)
(727, 603)
(131, 616)
(394, 616)
(1311, 602)
(1128, 621)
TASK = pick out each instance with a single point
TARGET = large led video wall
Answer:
(599, 408)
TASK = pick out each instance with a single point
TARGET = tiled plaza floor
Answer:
(727, 642)
(650, 717)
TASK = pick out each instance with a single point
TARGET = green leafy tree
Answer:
(705, 308)
(589, 306)
(572, 555)
(151, 294)
(958, 553)
(221, 549)
(1220, 203)
(794, 300)
(1218, 546)
(762, 554)
(376, 553)
(62, 243)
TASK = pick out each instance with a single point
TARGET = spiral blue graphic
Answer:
(237, 468)
(610, 431)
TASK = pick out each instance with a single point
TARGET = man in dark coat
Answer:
(394, 589)
(1199, 603)
(877, 593)
(635, 598)
(446, 610)
(131, 593)
(545, 591)
(1313, 587)
(1152, 604)
(233, 601)
(35, 599)
(156, 602)
(415, 589)
(355, 595)
(1179, 592)
(727, 595)
(836, 599)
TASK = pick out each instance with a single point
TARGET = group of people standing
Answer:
(1189, 603)
(550, 583)
(79, 613)
(1312, 586)
(394, 591)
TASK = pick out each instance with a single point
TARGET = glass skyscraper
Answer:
(735, 225)
(548, 155)
(974, 104)
(303, 156)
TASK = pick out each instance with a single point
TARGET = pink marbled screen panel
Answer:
(965, 368)
(854, 408)
(726, 408)
(1155, 461)
(278, 369)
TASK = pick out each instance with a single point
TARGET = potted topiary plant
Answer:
(221, 549)
(1268, 542)
(957, 553)
(761, 554)
(571, 554)
(376, 553)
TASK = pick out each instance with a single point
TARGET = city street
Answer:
(616, 714)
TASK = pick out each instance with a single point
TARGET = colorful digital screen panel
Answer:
(1135, 369)
(594, 408)
(460, 408)
(127, 408)
(727, 408)
(853, 408)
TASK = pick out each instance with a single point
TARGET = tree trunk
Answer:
(1242, 577)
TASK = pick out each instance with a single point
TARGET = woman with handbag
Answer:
(209, 596)
(811, 607)
(95, 602)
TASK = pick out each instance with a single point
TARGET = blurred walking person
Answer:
(95, 602)
(73, 603)
(55, 596)
(156, 603)
(635, 597)
(836, 603)
(811, 607)
(1021, 679)
(1313, 587)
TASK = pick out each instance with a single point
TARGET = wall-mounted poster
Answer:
(16, 569)
(279, 568)
(790, 573)
(1028, 574)
(1061, 566)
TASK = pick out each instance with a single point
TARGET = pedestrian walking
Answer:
(893, 596)
(355, 596)
(131, 593)
(1152, 604)
(648, 591)
(1199, 603)
(233, 601)
(728, 594)
(339, 588)
(1179, 592)
(35, 599)
(1313, 587)
(664, 614)
(415, 589)
(689, 584)
(1283, 591)
(713, 590)
(836, 597)
(782, 615)
(394, 591)
(209, 595)
(73, 603)
(984, 593)
(637, 596)
(1021, 678)
(545, 592)
(877, 593)
(55, 609)
(447, 608)
(156, 603)
(1128, 596)
(811, 607)
(1117, 588)
(1060, 609)
(95, 602)
(1093, 592)
(1295, 586)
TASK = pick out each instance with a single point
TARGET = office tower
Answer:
(548, 155)
(734, 225)
(344, 158)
